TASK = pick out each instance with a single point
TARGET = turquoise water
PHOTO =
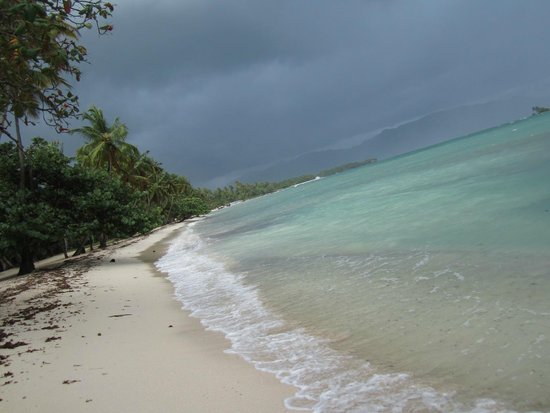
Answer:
(421, 283)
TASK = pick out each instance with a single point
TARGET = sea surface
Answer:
(417, 284)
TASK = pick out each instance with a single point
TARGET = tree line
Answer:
(50, 203)
(240, 191)
(345, 167)
(111, 190)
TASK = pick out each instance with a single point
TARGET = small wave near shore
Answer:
(328, 380)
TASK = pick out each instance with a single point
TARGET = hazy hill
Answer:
(428, 130)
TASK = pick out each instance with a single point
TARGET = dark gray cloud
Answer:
(213, 87)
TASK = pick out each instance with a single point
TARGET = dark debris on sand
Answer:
(33, 302)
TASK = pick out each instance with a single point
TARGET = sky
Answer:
(215, 88)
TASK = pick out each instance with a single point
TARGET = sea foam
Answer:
(327, 380)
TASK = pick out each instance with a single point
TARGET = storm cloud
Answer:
(214, 88)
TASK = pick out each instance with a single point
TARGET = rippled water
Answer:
(417, 284)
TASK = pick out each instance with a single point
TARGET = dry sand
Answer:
(102, 336)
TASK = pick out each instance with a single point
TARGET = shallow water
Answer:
(417, 284)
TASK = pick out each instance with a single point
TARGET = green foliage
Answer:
(241, 191)
(187, 207)
(103, 204)
(106, 145)
(39, 52)
(166, 196)
(45, 198)
(35, 216)
(345, 167)
(64, 201)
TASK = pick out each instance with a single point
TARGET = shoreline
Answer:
(110, 336)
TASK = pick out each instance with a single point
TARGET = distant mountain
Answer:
(429, 130)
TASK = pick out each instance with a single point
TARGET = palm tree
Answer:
(158, 183)
(106, 145)
(137, 170)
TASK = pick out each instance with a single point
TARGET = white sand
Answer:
(134, 362)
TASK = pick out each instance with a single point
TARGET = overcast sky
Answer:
(214, 87)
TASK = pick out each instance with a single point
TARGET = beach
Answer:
(104, 333)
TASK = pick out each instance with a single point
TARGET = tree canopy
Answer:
(106, 145)
(40, 53)
(67, 203)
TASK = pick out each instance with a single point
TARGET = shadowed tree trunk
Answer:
(6, 263)
(27, 263)
(102, 241)
(81, 249)
(65, 247)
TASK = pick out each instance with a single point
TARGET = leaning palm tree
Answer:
(137, 170)
(158, 183)
(106, 146)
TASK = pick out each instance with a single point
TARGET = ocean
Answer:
(416, 284)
